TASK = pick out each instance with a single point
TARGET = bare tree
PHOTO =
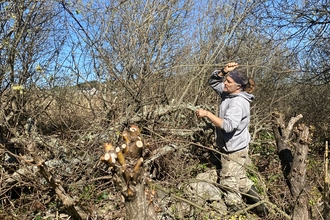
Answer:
(303, 26)
(136, 47)
(31, 41)
(306, 23)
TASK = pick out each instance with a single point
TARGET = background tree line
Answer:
(148, 61)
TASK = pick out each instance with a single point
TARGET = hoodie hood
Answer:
(247, 96)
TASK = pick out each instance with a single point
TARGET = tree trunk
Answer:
(293, 167)
(140, 207)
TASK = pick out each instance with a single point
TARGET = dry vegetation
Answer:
(150, 63)
(68, 135)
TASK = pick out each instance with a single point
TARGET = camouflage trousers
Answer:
(232, 175)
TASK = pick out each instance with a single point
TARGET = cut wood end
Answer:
(106, 156)
(124, 148)
(134, 129)
(139, 143)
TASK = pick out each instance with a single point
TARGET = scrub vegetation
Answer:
(76, 75)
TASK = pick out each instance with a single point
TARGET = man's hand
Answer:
(230, 67)
(200, 113)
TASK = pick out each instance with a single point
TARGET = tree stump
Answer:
(297, 139)
(126, 164)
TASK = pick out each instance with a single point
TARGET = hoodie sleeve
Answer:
(232, 118)
(216, 82)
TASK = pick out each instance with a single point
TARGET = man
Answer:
(232, 135)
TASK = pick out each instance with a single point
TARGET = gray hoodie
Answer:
(234, 109)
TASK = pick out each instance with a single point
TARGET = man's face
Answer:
(231, 86)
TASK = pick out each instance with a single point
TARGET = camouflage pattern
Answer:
(233, 175)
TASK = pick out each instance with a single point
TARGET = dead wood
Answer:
(289, 140)
(67, 201)
(154, 115)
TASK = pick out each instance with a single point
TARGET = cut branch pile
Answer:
(68, 202)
